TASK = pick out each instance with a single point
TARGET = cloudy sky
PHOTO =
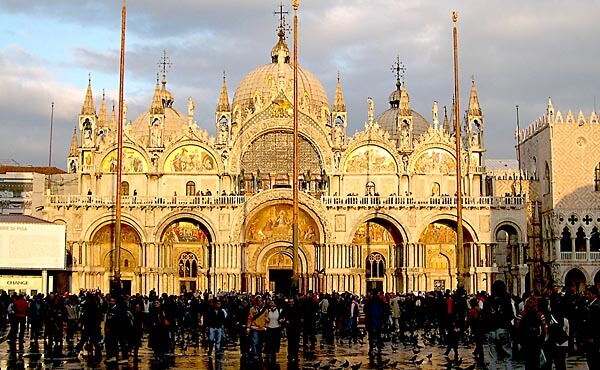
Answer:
(519, 53)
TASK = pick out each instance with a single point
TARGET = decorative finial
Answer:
(473, 80)
(338, 77)
(89, 78)
(296, 4)
(454, 17)
(165, 64)
(399, 69)
(103, 95)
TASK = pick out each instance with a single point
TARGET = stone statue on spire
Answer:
(371, 110)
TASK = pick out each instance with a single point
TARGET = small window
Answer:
(125, 188)
(190, 189)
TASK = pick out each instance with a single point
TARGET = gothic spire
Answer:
(339, 105)
(113, 118)
(102, 119)
(474, 107)
(157, 104)
(223, 105)
(73, 150)
(88, 104)
(446, 124)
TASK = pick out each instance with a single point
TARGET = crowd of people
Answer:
(540, 328)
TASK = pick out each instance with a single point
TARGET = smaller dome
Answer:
(387, 122)
(174, 121)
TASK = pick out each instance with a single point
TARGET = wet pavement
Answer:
(339, 356)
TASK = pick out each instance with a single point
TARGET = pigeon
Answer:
(356, 366)
(419, 362)
(412, 359)
(333, 361)
(314, 365)
(429, 356)
(385, 362)
(416, 350)
(393, 365)
(345, 364)
(394, 348)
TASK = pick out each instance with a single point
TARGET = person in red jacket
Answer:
(17, 313)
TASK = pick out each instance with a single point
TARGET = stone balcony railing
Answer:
(508, 202)
(579, 256)
(143, 201)
(515, 202)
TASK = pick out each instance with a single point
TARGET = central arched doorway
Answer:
(280, 273)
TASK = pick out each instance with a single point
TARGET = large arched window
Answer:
(547, 179)
(595, 240)
(597, 178)
(188, 265)
(190, 189)
(565, 240)
(375, 266)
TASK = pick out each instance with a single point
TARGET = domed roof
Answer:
(175, 121)
(262, 85)
(387, 119)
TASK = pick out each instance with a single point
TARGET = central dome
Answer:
(265, 84)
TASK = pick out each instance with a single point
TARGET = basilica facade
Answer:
(204, 212)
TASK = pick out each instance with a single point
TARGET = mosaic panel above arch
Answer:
(370, 159)
(190, 159)
(133, 162)
(435, 161)
(275, 222)
(106, 234)
(104, 239)
(186, 231)
(442, 233)
(371, 232)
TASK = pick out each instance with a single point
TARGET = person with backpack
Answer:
(531, 331)
(258, 318)
(498, 315)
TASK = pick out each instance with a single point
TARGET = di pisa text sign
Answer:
(32, 246)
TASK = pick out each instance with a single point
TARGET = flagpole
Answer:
(460, 265)
(295, 277)
(117, 262)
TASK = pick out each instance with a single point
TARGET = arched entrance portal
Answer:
(269, 243)
(576, 278)
(439, 243)
(189, 241)
(103, 241)
(279, 267)
(378, 240)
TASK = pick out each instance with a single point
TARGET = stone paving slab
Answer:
(340, 356)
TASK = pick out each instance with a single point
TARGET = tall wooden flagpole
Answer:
(460, 263)
(117, 262)
(296, 172)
